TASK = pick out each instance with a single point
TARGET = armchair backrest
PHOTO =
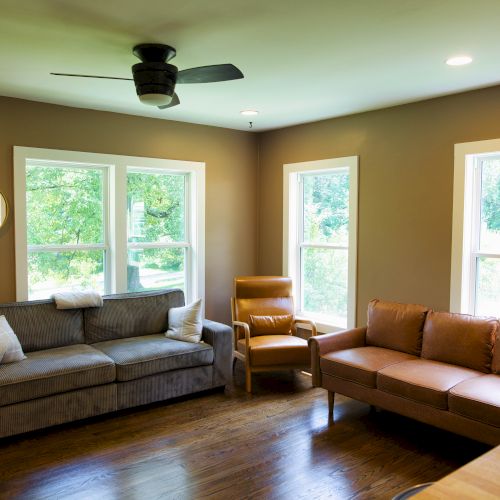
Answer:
(261, 296)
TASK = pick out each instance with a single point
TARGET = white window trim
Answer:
(465, 206)
(116, 193)
(291, 228)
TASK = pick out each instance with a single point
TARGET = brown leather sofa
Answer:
(440, 368)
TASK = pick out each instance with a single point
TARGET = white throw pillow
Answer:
(14, 351)
(4, 344)
(185, 323)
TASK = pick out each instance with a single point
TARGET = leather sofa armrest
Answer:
(220, 337)
(337, 341)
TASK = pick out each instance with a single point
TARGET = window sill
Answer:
(322, 326)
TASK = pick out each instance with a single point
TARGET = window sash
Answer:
(105, 198)
(301, 306)
(187, 204)
(104, 246)
(303, 244)
(475, 252)
(187, 271)
(54, 249)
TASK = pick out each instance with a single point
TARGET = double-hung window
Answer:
(320, 208)
(475, 272)
(66, 223)
(108, 222)
(158, 229)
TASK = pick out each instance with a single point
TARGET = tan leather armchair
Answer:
(264, 323)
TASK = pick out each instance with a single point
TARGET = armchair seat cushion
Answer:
(477, 398)
(53, 371)
(361, 364)
(267, 350)
(423, 381)
(137, 357)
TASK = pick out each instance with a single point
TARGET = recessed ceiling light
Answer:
(458, 60)
(249, 112)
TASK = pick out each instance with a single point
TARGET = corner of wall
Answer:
(258, 205)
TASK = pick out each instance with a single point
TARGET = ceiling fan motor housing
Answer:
(154, 78)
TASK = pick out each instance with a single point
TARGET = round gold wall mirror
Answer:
(4, 210)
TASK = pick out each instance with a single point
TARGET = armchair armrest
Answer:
(298, 321)
(219, 336)
(337, 341)
(246, 329)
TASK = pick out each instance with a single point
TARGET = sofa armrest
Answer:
(337, 341)
(220, 337)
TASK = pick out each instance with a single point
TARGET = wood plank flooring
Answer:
(274, 444)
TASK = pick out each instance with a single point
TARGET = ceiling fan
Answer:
(155, 79)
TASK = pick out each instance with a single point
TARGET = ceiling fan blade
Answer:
(175, 100)
(209, 74)
(93, 76)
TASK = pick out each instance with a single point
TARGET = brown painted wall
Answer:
(405, 185)
(230, 156)
(405, 189)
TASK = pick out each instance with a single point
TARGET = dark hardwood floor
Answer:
(274, 444)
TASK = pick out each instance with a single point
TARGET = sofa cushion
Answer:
(477, 398)
(39, 325)
(54, 371)
(495, 363)
(270, 325)
(361, 364)
(130, 315)
(137, 357)
(424, 381)
(396, 326)
(267, 350)
(459, 339)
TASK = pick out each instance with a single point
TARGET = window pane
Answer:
(326, 208)
(64, 205)
(488, 287)
(153, 268)
(156, 207)
(490, 206)
(324, 283)
(50, 272)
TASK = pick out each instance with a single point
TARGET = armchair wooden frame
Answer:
(249, 369)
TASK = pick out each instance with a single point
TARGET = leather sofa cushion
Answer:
(270, 325)
(424, 381)
(396, 326)
(273, 350)
(53, 371)
(478, 398)
(495, 363)
(459, 339)
(361, 364)
(137, 357)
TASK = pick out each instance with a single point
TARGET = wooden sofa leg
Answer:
(331, 402)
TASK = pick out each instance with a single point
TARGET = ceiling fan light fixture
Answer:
(155, 99)
(461, 60)
(155, 79)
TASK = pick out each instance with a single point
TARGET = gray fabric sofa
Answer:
(85, 362)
